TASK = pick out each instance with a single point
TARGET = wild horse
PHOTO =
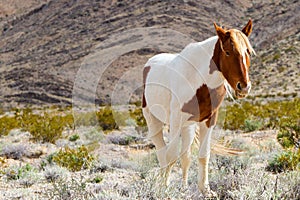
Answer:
(185, 90)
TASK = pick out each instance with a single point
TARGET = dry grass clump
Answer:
(14, 151)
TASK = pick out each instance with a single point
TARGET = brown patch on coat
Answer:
(205, 104)
(145, 74)
(215, 60)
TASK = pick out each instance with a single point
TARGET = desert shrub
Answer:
(285, 161)
(73, 159)
(270, 115)
(3, 162)
(86, 119)
(123, 139)
(14, 151)
(252, 125)
(138, 116)
(15, 173)
(289, 135)
(106, 119)
(7, 124)
(54, 173)
(69, 189)
(96, 179)
(74, 137)
(46, 127)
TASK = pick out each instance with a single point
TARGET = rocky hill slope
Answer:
(44, 44)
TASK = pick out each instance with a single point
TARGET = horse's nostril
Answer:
(239, 86)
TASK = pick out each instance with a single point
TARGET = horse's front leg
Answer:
(187, 137)
(204, 138)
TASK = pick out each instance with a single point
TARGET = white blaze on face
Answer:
(244, 54)
(245, 49)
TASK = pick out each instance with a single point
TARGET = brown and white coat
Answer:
(185, 90)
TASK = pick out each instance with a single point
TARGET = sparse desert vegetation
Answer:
(89, 161)
(47, 151)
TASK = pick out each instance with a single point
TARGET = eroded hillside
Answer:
(43, 46)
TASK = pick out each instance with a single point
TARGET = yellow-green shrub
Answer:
(138, 116)
(44, 128)
(287, 160)
(73, 159)
(275, 114)
(106, 119)
(7, 124)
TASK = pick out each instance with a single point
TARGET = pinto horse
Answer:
(185, 91)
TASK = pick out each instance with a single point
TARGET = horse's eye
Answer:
(227, 53)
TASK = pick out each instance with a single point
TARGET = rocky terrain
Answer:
(59, 52)
(45, 43)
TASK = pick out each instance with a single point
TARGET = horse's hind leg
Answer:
(155, 133)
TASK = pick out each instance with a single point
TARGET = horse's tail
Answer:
(219, 149)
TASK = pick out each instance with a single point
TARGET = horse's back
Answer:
(157, 85)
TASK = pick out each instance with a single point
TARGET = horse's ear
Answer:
(223, 34)
(248, 28)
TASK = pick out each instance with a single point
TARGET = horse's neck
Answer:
(200, 57)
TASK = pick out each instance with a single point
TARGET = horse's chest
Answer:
(204, 103)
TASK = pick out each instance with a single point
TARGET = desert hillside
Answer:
(44, 43)
(54, 53)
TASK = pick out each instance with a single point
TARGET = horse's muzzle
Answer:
(242, 92)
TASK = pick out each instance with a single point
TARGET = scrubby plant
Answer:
(15, 173)
(137, 114)
(54, 173)
(122, 139)
(252, 125)
(287, 160)
(45, 127)
(73, 159)
(3, 162)
(14, 151)
(97, 179)
(69, 189)
(106, 119)
(270, 115)
(289, 135)
(85, 119)
(7, 124)
(74, 137)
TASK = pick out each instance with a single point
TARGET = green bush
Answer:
(287, 160)
(73, 159)
(252, 125)
(74, 137)
(106, 119)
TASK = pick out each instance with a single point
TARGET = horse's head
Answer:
(234, 58)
